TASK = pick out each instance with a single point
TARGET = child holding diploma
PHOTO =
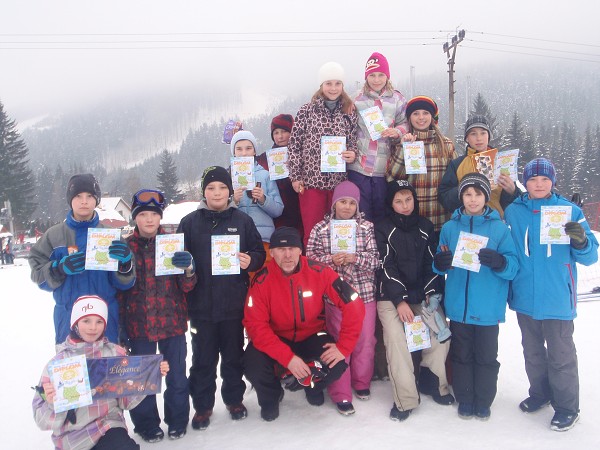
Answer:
(475, 297)
(544, 293)
(356, 266)
(329, 115)
(154, 314)
(57, 260)
(422, 113)
(368, 170)
(216, 304)
(101, 424)
(406, 242)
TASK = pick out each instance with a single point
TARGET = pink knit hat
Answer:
(377, 63)
(346, 189)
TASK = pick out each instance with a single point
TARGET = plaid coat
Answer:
(154, 308)
(93, 421)
(361, 274)
(426, 185)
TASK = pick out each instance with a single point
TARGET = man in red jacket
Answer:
(285, 321)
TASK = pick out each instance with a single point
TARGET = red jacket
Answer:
(293, 308)
(154, 308)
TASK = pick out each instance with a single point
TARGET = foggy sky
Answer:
(35, 79)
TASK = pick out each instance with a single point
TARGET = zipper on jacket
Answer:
(301, 304)
(467, 281)
(293, 309)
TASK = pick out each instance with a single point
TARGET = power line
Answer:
(225, 33)
(529, 54)
(533, 39)
(535, 48)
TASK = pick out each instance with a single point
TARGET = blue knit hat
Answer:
(243, 135)
(539, 167)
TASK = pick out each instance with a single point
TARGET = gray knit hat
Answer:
(478, 121)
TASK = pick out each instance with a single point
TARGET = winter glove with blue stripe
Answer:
(120, 251)
(72, 264)
(184, 260)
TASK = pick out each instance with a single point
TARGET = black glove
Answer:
(72, 264)
(183, 260)
(120, 251)
(492, 259)
(443, 260)
(577, 234)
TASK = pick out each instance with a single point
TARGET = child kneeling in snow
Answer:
(100, 425)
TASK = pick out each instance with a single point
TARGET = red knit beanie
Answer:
(283, 121)
(377, 63)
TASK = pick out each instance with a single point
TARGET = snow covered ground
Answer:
(26, 334)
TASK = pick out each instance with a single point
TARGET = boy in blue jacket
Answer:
(544, 295)
(57, 260)
(476, 301)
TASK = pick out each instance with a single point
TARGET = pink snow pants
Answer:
(314, 204)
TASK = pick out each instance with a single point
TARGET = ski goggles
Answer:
(146, 197)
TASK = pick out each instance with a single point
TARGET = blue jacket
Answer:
(263, 215)
(52, 246)
(478, 298)
(546, 285)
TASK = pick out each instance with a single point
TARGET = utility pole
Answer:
(413, 87)
(456, 39)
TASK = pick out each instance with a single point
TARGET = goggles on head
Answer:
(146, 197)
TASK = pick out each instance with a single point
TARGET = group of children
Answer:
(407, 230)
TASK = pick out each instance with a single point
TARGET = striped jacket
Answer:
(426, 184)
(361, 274)
(393, 108)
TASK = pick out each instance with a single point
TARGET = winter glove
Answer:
(184, 260)
(72, 264)
(492, 259)
(443, 260)
(577, 234)
(120, 251)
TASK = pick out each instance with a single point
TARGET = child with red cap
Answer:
(358, 269)
(101, 424)
(281, 129)
(368, 170)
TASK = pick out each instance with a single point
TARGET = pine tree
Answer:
(17, 182)
(517, 137)
(481, 108)
(167, 178)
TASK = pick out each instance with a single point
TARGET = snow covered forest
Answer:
(541, 111)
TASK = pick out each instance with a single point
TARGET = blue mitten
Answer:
(184, 260)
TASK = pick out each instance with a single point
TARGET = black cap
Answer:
(85, 182)
(285, 237)
(216, 173)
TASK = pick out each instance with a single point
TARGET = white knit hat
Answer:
(331, 71)
(89, 305)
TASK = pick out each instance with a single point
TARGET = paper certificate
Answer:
(506, 164)
(224, 251)
(277, 159)
(552, 228)
(96, 252)
(242, 172)
(466, 254)
(414, 157)
(70, 379)
(331, 153)
(166, 246)
(343, 236)
(483, 162)
(417, 335)
(124, 376)
(373, 118)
